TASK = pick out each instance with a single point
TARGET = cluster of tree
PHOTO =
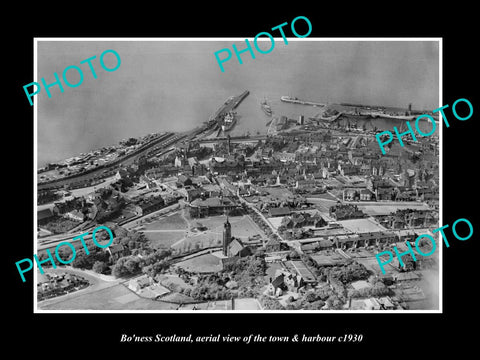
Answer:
(47, 196)
(156, 262)
(101, 267)
(335, 302)
(345, 273)
(134, 240)
(270, 304)
(338, 288)
(209, 287)
(209, 292)
(151, 263)
(59, 225)
(249, 274)
(126, 266)
(379, 289)
(314, 305)
(305, 304)
(134, 243)
(250, 266)
(316, 299)
(244, 273)
(84, 261)
(318, 294)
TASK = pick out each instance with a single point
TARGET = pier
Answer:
(230, 104)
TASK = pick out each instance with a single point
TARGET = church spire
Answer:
(227, 236)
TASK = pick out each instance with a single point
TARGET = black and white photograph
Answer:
(298, 178)
(262, 187)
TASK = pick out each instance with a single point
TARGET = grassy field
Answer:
(164, 239)
(247, 304)
(211, 222)
(173, 283)
(199, 241)
(172, 222)
(116, 297)
(202, 263)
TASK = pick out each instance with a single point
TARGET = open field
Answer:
(164, 239)
(202, 263)
(247, 304)
(173, 282)
(116, 297)
(174, 221)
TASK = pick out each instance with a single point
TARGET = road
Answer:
(254, 208)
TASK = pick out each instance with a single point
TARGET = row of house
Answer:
(346, 241)
(212, 206)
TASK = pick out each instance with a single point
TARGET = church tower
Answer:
(227, 236)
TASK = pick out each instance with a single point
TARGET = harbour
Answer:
(224, 119)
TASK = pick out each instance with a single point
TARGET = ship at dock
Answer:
(266, 108)
(229, 121)
(224, 118)
(295, 100)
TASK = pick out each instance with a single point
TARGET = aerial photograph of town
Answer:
(260, 188)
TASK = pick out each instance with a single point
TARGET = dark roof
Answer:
(44, 214)
(235, 247)
(365, 191)
(280, 211)
(278, 281)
